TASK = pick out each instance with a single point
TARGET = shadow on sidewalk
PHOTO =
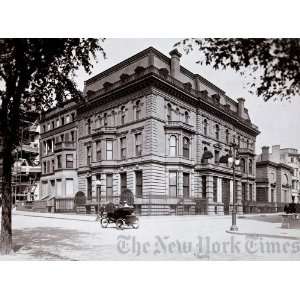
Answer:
(50, 243)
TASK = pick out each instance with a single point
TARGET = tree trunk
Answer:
(6, 228)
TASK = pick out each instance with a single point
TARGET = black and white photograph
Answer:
(131, 148)
(152, 159)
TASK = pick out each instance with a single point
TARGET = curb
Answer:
(53, 217)
(258, 235)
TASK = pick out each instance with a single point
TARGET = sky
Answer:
(278, 121)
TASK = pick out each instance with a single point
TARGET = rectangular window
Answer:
(68, 119)
(109, 185)
(44, 188)
(173, 184)
(139, 183)
(204, 187)
(244, 191)
(69, 161)
(58, 187)
(215, 189)
(138, 144)
(69, 187)
(123, 147)
(89, 188)
(72, 134)
(98, 150)
(186, 185)
(109, 150)
(88, 155)
(62, 121)
(88, 126)
(272, 195)
(57, 123)
(123, 181)
(250, 192)
(53, 165)
(48, 166)
(53, 125)
(59, 163)
(44, 167)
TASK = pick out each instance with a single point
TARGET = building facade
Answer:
(58, 152)
(145, 125)
(291, 157)
(274, 179)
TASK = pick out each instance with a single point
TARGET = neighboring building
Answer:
(291, 157)
(273, 180)
(58, 144)
(26, 170)
(145, 125)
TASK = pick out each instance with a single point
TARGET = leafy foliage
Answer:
(34, 74)
(272, 64)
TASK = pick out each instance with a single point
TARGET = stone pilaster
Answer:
(209, 195)
(219, 197)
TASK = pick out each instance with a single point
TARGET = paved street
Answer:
(72, 237)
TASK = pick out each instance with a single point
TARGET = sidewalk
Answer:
(248, 226)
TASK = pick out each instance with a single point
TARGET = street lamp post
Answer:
(234, 160)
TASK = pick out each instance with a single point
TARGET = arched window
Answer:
(243, 165)
(178, 114)
(169, 112)
(250, 167)
(285, 180)
(97, 122)
(173, 146)
(186, 148)
(217, 132)
(138, 110)
(113, 116)
(205, 127)
(186, 117)
(105, 119)
(123, 113)
(227, 136)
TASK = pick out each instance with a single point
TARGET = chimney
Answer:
(241, 107)
(175, 63)
(276, 153)
(265, 153)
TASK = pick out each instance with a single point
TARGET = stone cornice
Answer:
(273, 164)
(58, 130)
(154, 80)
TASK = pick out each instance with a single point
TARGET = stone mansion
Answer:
(145, 125)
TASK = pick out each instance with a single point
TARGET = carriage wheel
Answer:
(104, 222)
(135, 224)
(119, 224)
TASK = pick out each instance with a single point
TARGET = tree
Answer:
(273, 65)
(34, 75)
